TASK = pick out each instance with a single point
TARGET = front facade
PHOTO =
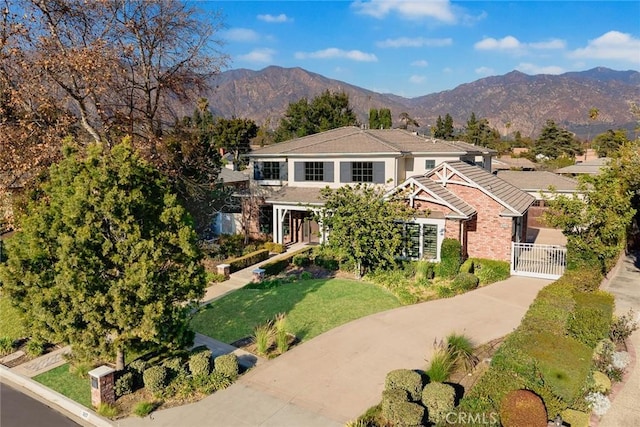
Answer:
(292, 173)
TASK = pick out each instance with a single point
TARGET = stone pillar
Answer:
(102, 386)
(258, 275)
(224, 269)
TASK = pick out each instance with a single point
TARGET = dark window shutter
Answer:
(327, 168)
(298, 171)
(345, 172)
(284, 171)
(257, 171)
(378, 172)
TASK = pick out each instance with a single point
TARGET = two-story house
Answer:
(289, 176)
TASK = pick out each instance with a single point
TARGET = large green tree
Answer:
(105, 259)
(479, 132)
(444, 128)
(326, 111)
(607, 143)
(554, 142)
(234, 136)
(363, 227)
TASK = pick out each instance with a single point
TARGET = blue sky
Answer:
(413, 48)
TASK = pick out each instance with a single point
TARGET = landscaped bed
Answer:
(313, 306)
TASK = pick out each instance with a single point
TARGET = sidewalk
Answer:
(625, 286)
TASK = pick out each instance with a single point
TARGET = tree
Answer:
(610, 141)
(105, 259)
(406, 120)
(325, 112)
(444, 128)
(364, 228)
(478, 132)
(385, 118)
(554, 142)
(374, 120)
(234, 136)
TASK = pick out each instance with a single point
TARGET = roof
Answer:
(538, 180)
(455, 202)
(295, 196)
(591, 167)
(354, 140)
(228, 176)
(508, 162)
(512, 198)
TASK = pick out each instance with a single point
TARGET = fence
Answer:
(542, 261)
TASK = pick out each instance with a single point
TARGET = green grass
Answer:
(312, 307)
(67, 384)
(11, 324)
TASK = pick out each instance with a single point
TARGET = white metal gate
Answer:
(543, 261)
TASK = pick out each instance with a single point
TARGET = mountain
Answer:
(514, 101)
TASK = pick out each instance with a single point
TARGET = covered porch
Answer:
(294, 210)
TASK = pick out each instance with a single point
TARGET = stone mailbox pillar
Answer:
(102, 385)
(224, 269)
(258, 275)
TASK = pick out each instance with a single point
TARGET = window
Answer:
(265, 219)
(429, 164)
(271, 170)
(419, 241)
(429, 241)
(362, 171)
(313, 171)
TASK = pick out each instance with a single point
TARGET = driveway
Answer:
(338, 375)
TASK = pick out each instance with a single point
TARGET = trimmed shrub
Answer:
(465, 282)
(6, 346)
(213, 382)
(407, 380)
(522, 408)
(176, 365)
(227, 365)
(137, 368)
(155, 378)
(591, 319)
(327, 262)
(490, 270)
(407, 414)
(439, 399)
(301, 260)
(585, 279)
(450, 255)
(277, 266)
(200, 363)
(390, 399)
(273, 247)
(247, 260)
(601, 382)
(215, 277)
(124, 384)
(575, 418)
(34, 348)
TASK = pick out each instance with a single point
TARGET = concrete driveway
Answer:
(338, 375)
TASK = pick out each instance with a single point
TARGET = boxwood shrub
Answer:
(155, 379)
(124, 384)
(248, 260)
(277, 266)
(450, 258)
(200, 363)
(407, 414)
(465, 282)
(407, 380)
(227, 365)
(439, 399)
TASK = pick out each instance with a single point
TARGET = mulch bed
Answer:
(21, 346)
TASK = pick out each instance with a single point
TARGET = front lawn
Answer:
(312, 307)
(11, 325)
(67, 384)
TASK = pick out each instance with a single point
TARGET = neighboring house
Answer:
(538, 184)
(467, 203)
(590, 167)
(229, 219)
(512, 163)
(288, 176)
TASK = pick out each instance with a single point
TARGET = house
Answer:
(590, 167)
(287, 177)
(229, 219)
(538, 184)
(468, 203)
(512, 163)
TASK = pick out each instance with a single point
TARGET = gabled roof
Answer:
(515, 201)
(436, 193)
(591, 167)
(352, 140)
(538, 180)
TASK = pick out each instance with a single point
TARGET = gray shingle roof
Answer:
(512, 198)
(227, 176)
(353, 140)
(591, 167)
(296, 195)
(538, 180)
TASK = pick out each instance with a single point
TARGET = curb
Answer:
(55, 398)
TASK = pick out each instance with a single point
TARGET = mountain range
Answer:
(511, 102)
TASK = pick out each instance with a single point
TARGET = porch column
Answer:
(276, 215)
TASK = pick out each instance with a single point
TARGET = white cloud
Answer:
(241, 35)
(420, 63)
(275, 19)
(332, 53)
(611, 45)
(549, 44)
(414, 42)
(529, 68)
(484, 71)
(417, 79)
(263, 55)
(447, 70)
(438, 9)
(505, 43)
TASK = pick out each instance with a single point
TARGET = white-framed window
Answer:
(421, 240)
(429, 164)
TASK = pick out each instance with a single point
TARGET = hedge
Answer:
(277, 266)
(450, 258)
(248, 260)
